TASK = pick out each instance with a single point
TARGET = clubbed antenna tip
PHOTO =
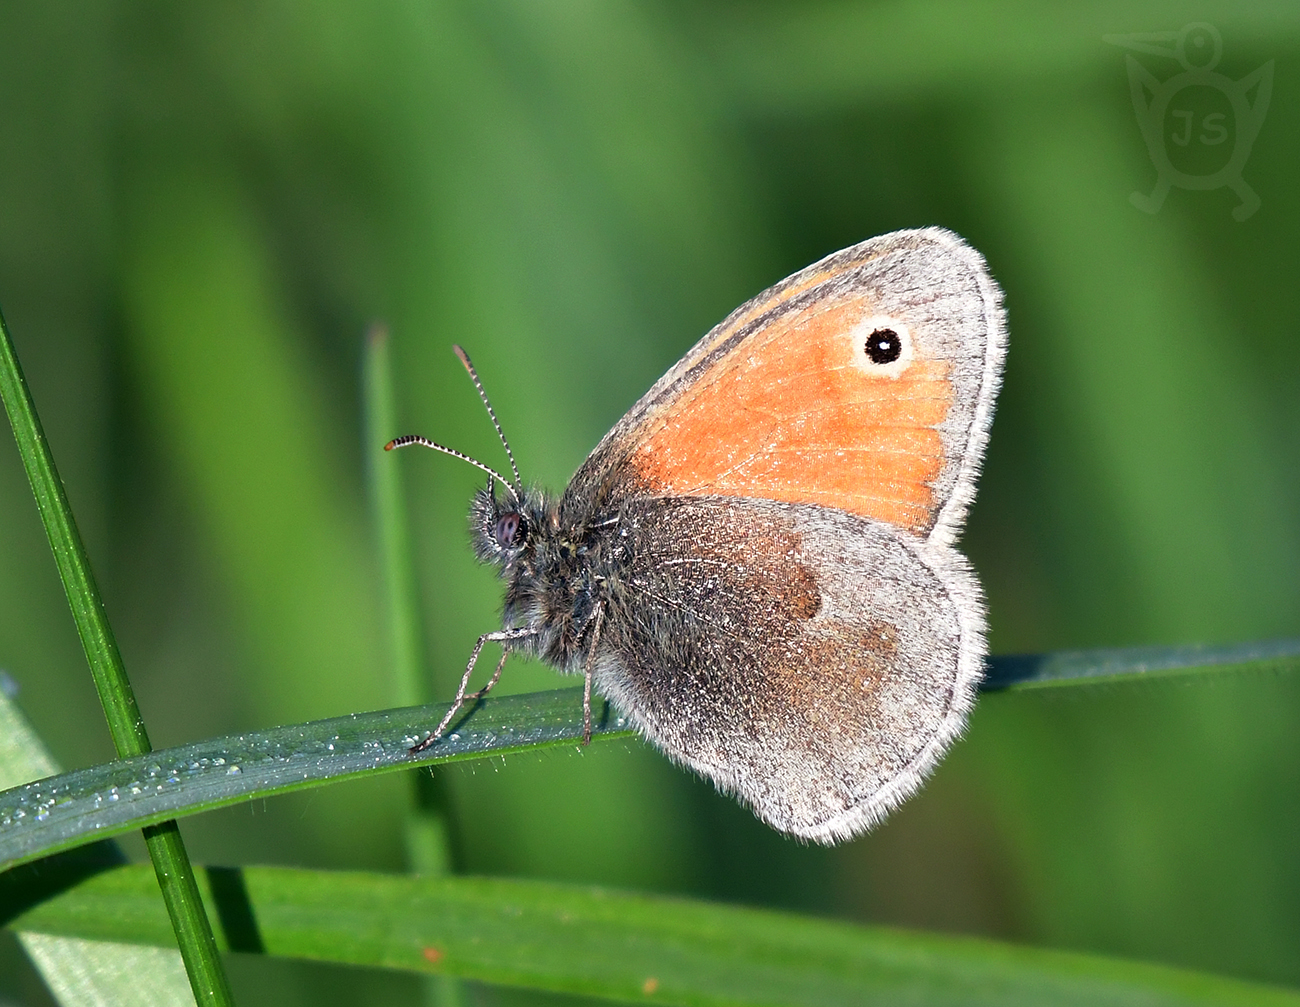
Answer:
(424, 442)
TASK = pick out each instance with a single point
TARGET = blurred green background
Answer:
(202, 207)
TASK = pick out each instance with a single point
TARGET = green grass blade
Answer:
(166, 850)
(579, 940)
(124, 721)
(58, 813)
(392, 526)
(105, 974)
(428, 844)
(427, 826)
(47, 816)
(1094, 667)
(86, 973)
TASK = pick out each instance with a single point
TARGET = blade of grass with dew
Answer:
(166, 850)
(47, 816)
(82, 973)
(593, 942)
(64, 811)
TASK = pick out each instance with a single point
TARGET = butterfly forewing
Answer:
(796, 396)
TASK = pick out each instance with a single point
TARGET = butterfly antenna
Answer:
(424, 442)
(473, 376)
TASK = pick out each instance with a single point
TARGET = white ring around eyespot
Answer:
(861, 332)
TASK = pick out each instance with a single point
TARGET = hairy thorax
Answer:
(557, 575)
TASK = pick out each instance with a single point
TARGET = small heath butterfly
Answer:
(756, 565)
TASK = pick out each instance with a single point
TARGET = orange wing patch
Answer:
(789, 416)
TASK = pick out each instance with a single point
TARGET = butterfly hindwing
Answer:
(812, 662)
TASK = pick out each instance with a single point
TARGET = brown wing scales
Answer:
(768, 647)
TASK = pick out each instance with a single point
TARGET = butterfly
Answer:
(756, 565)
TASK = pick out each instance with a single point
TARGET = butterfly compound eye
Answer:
(507, 530)
(884, 346)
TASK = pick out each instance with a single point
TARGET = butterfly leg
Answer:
(500, 636)
(496, 677)
(597, 618)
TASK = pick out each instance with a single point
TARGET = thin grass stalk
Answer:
(427, 823)
(126, 726)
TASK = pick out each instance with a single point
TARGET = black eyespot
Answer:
(884, 346)
(507, 529)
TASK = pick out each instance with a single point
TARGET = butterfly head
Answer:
(506, 529)
(551, 568)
